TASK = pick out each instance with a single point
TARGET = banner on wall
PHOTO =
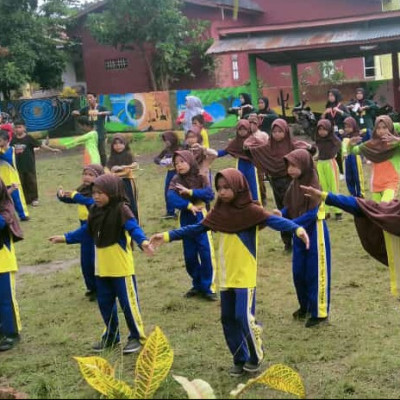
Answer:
(157, 111)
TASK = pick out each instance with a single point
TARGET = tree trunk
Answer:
(149, 68)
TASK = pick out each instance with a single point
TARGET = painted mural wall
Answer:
(157, 111)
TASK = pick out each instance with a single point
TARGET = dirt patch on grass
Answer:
(47, 267)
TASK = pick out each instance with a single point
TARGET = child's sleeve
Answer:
(308, 217)
(135, 231)
(177, 201)
(281, 224)
(206, 194)
(284, 212)
(186, 231)
(345, 203)
(222, 153)
(67, 200)
(34, 143)
(80, 199)
(7, 156)
(77, 236)
(2, 222)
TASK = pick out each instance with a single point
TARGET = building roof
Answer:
(244, 5)
(309, 41)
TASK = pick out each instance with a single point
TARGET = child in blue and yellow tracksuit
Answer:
(10, 232)
(353, 168)
(311, 267)
(239, 218)
(83, 197)
(189, 192)
(244, 164)
(164, 159)
(112, 226)
(9, 174)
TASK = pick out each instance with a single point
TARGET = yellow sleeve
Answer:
(166, 237)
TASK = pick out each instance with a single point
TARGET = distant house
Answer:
(104, 69)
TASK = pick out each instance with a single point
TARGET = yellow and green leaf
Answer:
(278, 377)
(196, 389)
(99, 374)
(153, 365)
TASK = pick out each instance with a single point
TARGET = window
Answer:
(116, 63)
(235, 67)
(327, 69)
(369, 67)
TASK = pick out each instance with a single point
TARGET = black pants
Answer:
(101, 144)
(279, 188)
(29, 186)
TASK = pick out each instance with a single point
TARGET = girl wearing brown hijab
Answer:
(83, 198)
(354, 172)
(236, 149)
(269, 158)
(239, 218)
(384, 152)
(378, 227)
(311, 267)
(122, 163)
(112, 226)
(328, 145)
(10, 232)
(164, 159)
(189, 192)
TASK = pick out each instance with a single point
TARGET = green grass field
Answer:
(355, 356)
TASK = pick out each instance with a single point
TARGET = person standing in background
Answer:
(97, 114)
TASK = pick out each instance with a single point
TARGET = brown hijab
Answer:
(86, 190)
(375, 149)
(242, 213)
(197, 152)
(294, 200)
(173, 139)
(329, 145)
(7, 211)
(106, 224)
(191, 180)
(123, 158)
(269, 157)
(376, 218)
(353, 123)
(236, 146)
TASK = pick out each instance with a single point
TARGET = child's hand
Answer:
(195, 209)
(355, 140)
(390, 139)
(148, 249)
(277, 212)
(56, 150)
(157, 240)
(302, 235)
(56, 239)
(197, 146)
(12, 188)
(116, 168)
(311, 192)
(60, 192)
(182, 190)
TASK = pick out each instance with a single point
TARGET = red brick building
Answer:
(108, 70)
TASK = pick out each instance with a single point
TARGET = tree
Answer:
(33, 38)
(170, 43)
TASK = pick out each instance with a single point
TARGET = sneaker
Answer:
(236, 370)
(210, 296)
(92, 295)
(191, 293)
(341, 177)
(300, 314)
(169, 216)
(104, 345)
(338, 217)
(327, 215)
(315, 321)
(132, 346)
(24, 219)
(252, 368)
(35, 203)
(7, 343)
